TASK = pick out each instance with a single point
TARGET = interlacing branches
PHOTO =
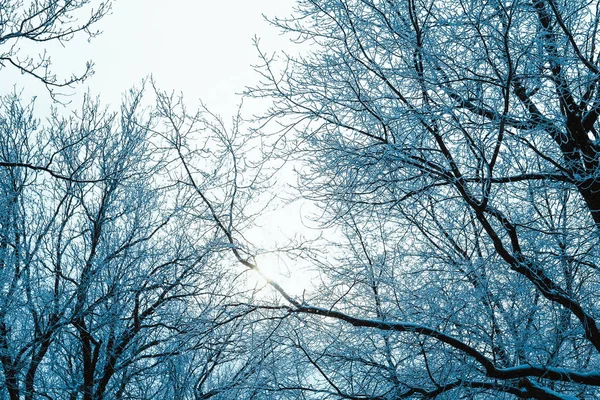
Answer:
(470, 130)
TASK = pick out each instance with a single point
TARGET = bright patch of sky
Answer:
(203, 49)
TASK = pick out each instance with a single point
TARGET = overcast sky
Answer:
(203, 48)
(199, 47)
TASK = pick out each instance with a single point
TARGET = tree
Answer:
(452, 146)
(42, 22)
(111, 285)
(455, 146)
(113, 281)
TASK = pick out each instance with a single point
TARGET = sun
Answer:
(291, 275)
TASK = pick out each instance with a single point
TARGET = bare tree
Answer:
(455, 146)
(35, 24)
(109, 279)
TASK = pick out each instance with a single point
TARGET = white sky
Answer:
(202, 48)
